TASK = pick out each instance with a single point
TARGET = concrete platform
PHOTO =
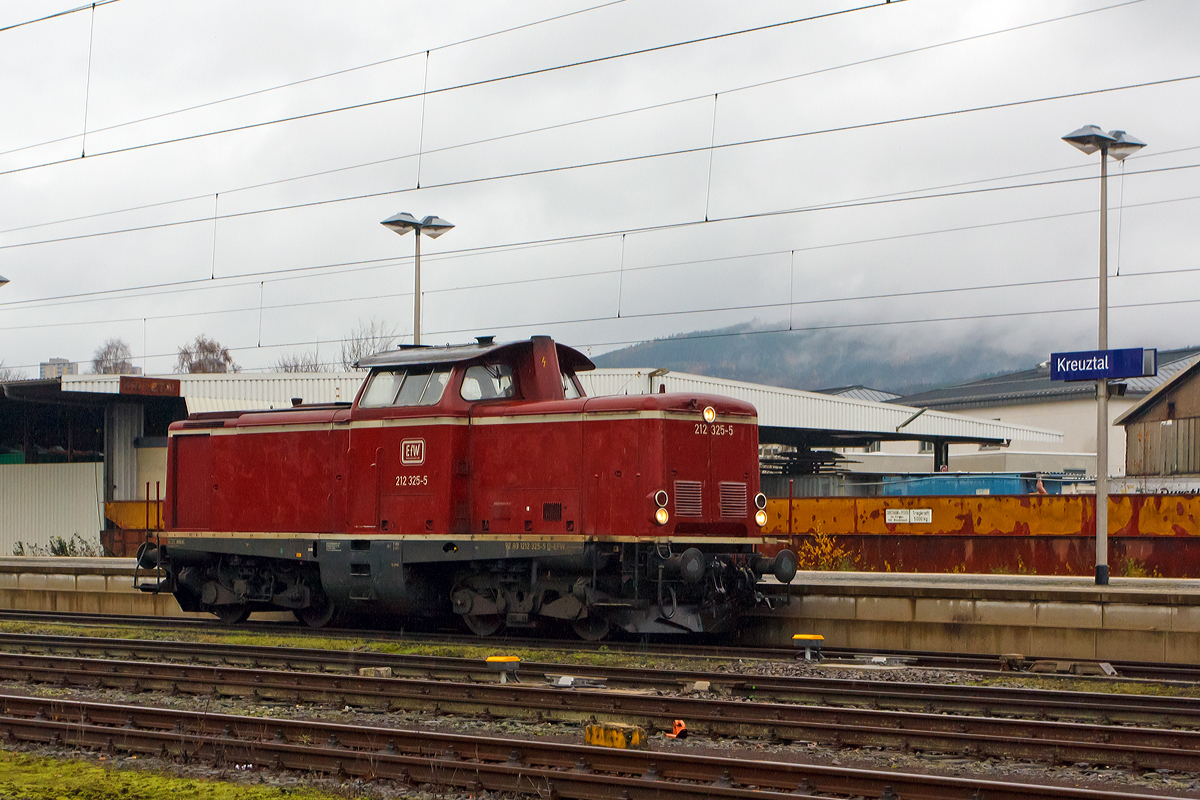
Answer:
(79, 585)
(1134, 619)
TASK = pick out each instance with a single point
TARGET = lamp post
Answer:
(1117, 144)
(432, 227)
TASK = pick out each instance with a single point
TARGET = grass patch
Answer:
(1074, 683)
(33, 778)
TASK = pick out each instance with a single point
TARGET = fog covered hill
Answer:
(814, 360)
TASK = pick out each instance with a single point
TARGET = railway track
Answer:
(1096, 707)
(947, 726)
(472, 763)
(1126, 670)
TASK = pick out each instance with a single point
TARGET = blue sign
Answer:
(1099, 365)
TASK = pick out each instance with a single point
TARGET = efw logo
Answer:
(412, 452)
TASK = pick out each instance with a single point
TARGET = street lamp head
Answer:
(434, 227)
(401, 223)
(430, 226)
(1124, 145)
(404, 222)
(3, 280)
(1089, 139)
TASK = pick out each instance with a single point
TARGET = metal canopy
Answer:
(793, 417)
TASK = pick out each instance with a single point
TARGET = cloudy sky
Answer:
(616, 171)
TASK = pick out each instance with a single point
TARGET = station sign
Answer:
(154, 387)
(1099, 365)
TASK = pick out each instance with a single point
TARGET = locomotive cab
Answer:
(476, 481)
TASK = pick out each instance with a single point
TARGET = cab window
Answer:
(416, 386)
(569, 390)
(488, 382)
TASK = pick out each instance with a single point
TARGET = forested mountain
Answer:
(814, 360)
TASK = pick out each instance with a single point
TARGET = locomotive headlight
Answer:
(760, 518)
(760, 501)
(660, 499)
(661, 516)
(710, 414)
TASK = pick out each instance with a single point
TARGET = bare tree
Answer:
(367, 339)
(9, 374)
(297, 362)
(205, 355)
(112, 358)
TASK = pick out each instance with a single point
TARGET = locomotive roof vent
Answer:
(485, 340)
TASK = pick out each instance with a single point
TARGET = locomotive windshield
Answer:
(416, 386)
(488, 382)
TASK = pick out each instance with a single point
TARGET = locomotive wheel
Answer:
(232, 614)
(319, 615)
(591, 628)
(483, 624)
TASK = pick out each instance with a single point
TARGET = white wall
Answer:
(41, 501)
(1075, 418)
(151, 468)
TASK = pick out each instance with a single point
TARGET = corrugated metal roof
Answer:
(861, 393)
(791, 408)
(243, 390)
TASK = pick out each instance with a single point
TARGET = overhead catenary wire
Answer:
(721, 334)
(300, 81)
(197, 284)
(595, 118)
(87, 91)
(548, 242)
(647, 156)
(827, 206)
(56, 15)
(465, 85)
(259, 308)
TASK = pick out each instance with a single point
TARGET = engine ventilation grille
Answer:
(733, 499)
(689, 499)
(552, 512)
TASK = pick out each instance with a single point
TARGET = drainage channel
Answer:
(979, 737)
(471, 763)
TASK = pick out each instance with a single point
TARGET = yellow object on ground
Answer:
(615, 734)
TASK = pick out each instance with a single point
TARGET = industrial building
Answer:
(1162, 436)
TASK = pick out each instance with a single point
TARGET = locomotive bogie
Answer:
(475, 481)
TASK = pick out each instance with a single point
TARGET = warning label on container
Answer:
(898, 516)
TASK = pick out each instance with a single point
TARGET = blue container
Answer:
(960, 483)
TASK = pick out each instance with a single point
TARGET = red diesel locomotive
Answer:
(475, 480)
